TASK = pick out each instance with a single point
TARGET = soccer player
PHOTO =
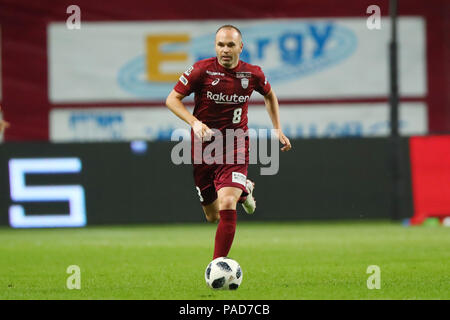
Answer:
(222, 87)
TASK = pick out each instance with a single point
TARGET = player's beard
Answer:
(228, 63)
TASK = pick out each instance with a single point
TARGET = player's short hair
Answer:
(229, 26)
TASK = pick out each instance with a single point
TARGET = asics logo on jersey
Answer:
(215, 82)
(226, 98)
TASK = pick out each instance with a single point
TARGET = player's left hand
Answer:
(284, 141)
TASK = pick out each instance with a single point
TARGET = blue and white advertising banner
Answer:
(302, 58)
(312, 121)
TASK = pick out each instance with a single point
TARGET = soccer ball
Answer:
(223, 273)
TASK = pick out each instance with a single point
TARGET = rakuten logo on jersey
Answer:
(226, 98)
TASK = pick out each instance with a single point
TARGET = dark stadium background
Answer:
(322, 178)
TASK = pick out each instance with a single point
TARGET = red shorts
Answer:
(210, 178)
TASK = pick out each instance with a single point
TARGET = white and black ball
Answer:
(223, 273)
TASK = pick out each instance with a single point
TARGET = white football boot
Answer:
(249, 204)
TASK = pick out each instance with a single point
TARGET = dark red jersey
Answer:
(221, 95)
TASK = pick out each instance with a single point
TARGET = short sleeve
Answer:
(189, 80)
(261, 85)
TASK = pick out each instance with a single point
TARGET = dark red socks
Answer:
(225, 233)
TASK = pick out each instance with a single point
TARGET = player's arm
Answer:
(273, 109)
(174, 103)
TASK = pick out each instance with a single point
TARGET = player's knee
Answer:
(212, 218)
(227, 202)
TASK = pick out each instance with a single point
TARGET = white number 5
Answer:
(20, 192)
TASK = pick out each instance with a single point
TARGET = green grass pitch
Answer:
(310, 260)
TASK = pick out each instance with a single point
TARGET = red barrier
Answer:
(430, 172)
